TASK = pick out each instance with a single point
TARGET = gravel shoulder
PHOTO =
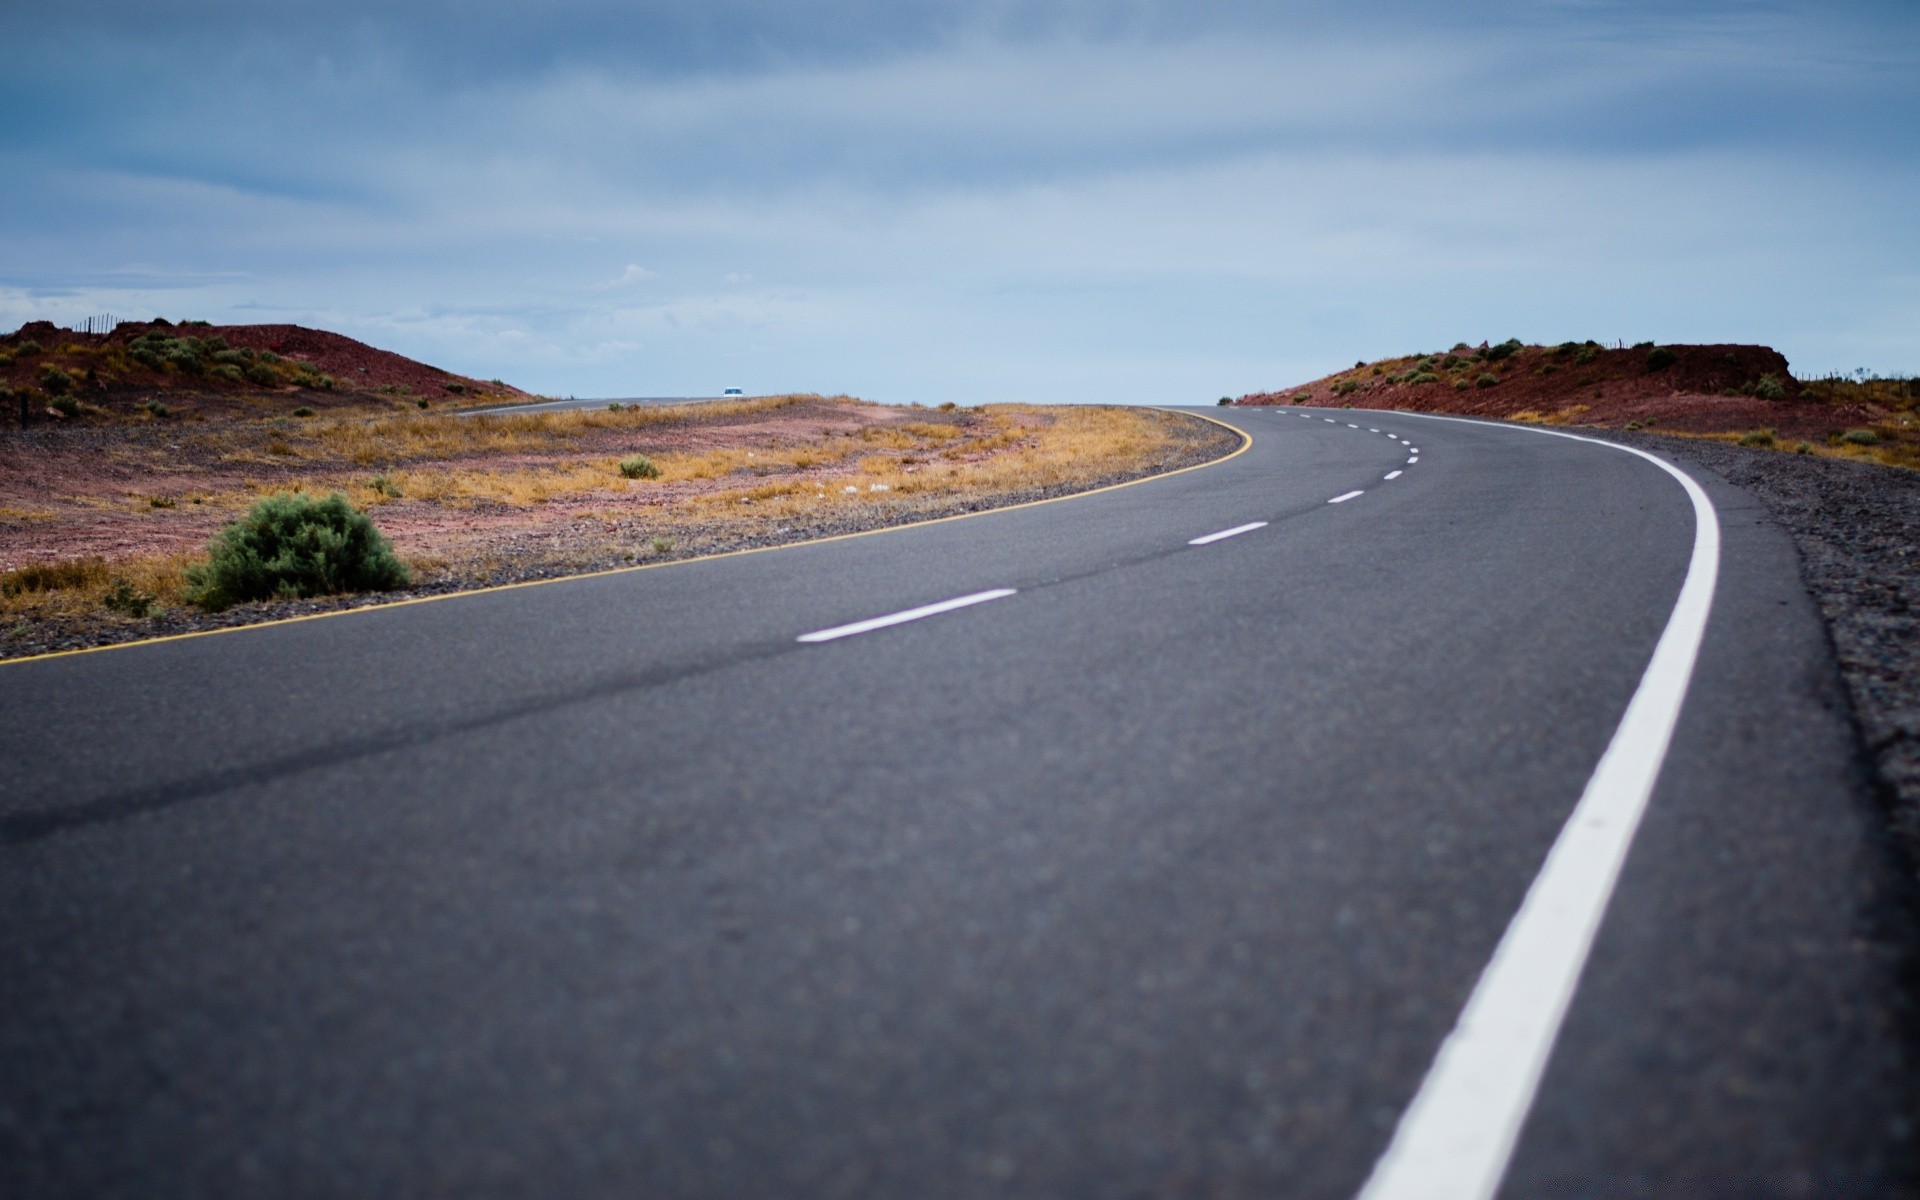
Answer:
(1857, 526)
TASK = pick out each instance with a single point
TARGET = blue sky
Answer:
(1088, 201)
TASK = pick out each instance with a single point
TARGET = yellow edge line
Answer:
(1245, 444)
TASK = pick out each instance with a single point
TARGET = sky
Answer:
(926, 200)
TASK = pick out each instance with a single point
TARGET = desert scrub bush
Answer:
(1487, 381)
(1461, 385)
(384, 484)
(154, 408)
(123, 597)
(26, 349)
(1586, 355)
(232, 357)
(662, 545)
(639, 466)
(303, 411)
(1660, 358)
(1506, 349)
(1769, 388)
(1757, 437)
(55, 381)
(262, 375)
(294, 545)
(1423, 377)
(1803, 448)
(1345, 387)
(66, 406)
(1860, 437)
(228, 372)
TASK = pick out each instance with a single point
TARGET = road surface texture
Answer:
(1162, 867)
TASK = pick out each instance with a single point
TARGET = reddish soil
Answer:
(1704, 389)
(76, 492)
(114, 385)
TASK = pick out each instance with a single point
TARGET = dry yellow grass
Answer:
(80, 586)
(443, 435)
(910, 467)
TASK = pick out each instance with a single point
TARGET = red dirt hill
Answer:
(1686, 389)
(216, 369)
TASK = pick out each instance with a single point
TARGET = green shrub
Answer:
(1586, 355)
(1660, 358)
(1423, 377)
(1506, 349)
(157, 409)
(662, 544)
(1860, 437)
(1802, 448)
(26, 349)
(66, 406)
(1643, 345)
(1225, 400)
(262, 375)
(639, 466)
(55, 381)
(228, 372)
(160, 501)
(147, 357)
(1345, 386)
(295, 545)
(614, 406)
(1633, 424)
(1461, 385)
(1487, 381)
(1759, 437)
(421, 402)
(187, 358)
(303, 411)
(457, 388)
(123, 597)
(1769, 388)
(384, 484)
(497, 383)
(268, 356)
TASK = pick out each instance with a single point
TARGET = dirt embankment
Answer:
(196, 371)
(1719, 390)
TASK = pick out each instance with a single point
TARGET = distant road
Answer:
(1145, 843)
(556, 405)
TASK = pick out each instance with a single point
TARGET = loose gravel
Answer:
(1857, 526)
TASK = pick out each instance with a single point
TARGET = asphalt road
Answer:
(1165, 874)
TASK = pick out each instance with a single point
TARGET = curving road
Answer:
(1144, 843)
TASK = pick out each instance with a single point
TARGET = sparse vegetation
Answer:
(55, 382)
(639, 466)
(294, 545)
(1758, 437)
(1860, 437)
(1487, 381)
(1660, 358)
(123, 597)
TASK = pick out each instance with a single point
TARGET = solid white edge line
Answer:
(899, 618)
(1392, 475)
(1345, 498)
(1456, 1137)
(1236, 531)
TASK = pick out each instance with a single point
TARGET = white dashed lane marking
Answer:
(1392, 475)
(1236, 531)
(900, 618)
(1345, 498)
